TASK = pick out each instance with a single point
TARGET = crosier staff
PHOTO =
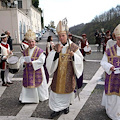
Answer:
(64, 22)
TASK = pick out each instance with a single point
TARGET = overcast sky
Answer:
(76, 11)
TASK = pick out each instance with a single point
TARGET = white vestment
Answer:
(58, 102)
(34, 95)
(51, 43)
(111, 102)
(110, 43)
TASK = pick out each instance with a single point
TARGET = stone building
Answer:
(18, 16)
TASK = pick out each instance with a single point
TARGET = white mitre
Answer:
(61, 28)
(117, 31)
(30, 35)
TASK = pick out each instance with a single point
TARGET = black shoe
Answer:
(4, 84)
(9, 83)
(66, 111)
(54, 114)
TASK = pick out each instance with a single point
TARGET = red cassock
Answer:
(83, 44)
(105, 42)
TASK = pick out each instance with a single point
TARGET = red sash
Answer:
(6, 46)
(25, 43)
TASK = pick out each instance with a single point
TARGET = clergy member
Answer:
(111, 64)
(35, 87)
(65, 61)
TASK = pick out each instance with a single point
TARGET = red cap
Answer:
(70, 35)
(107, 31)
(83, 34)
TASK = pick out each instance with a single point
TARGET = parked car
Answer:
(38, 37)
(43, 31)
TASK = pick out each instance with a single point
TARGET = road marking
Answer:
(2, 89)
(16, 52)
(84, 95)
(20, 118)
(93, 60)
(17, 79)
(27, 110)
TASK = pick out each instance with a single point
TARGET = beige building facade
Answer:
(18, 18)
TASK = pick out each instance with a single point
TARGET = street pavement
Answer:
(88, 108)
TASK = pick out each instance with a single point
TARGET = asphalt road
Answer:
(88, 108)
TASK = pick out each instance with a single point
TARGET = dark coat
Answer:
(9, 41)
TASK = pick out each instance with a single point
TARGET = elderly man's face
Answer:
(118, 41)
(62, 38)
(31, 43)
(8, 33)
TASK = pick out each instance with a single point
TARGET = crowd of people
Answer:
(102, 38)
(64, 61)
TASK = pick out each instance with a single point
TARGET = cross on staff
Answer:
(118, 63)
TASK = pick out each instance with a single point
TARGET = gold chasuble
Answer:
(64, 79)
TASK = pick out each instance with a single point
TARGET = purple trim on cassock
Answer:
(112, 82)
(32, 78)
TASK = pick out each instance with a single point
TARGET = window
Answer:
(19, 4)
(24, 28)
(3, 4)
(20, 27)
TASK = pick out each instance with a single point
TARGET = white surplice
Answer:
(58, 102)
(34, 95)
(111, 102)
(50, 44)
(110, 43)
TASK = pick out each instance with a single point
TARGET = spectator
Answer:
(107, 37)
(96, 36)
(84, 42)
(50, 45)
(9, 41)
(102, 36)
(70, 37)
(99, 39)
